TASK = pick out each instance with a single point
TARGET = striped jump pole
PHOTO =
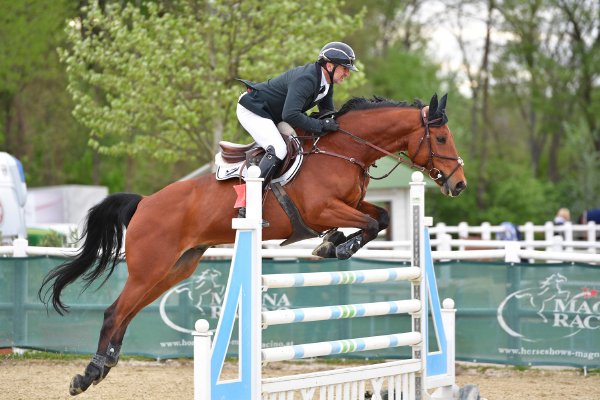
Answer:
(328, 313)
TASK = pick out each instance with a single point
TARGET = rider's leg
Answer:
(269, 165)
(266, 134)
(262, 130)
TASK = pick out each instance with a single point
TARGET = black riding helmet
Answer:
(338, 53)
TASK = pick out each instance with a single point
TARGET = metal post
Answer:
(418, 286)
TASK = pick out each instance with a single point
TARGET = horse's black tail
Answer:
(101, 250)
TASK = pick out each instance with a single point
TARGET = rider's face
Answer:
(340, 73)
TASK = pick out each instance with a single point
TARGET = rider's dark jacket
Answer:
(288, 96)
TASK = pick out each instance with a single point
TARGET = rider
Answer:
(287, 97)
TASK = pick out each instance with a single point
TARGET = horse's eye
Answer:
(441, 139)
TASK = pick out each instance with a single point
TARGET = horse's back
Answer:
(186, 214)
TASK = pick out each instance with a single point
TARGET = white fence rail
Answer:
(494, 250)
(541, 243)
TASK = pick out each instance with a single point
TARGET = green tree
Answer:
(35, 109)
(29, 32)
(160, 82)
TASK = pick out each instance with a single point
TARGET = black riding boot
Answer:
(269, 165)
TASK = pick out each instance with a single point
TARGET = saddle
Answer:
(233, 162)
(234, 158)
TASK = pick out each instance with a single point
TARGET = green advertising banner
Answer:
(521, 314)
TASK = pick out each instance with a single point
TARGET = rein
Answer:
(433, 172)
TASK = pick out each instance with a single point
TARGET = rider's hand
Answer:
(329, 125)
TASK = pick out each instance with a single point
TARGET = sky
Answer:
(444, 46)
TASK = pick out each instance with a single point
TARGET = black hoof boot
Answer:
(112, 355)
(345, 250)
(330, 241)
(112, 358)
(335, 237)
(80, 383)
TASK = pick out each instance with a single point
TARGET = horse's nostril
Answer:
(460, 186)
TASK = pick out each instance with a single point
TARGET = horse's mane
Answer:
(361, 103)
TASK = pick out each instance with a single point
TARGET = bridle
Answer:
(433, 172)
(404, 157)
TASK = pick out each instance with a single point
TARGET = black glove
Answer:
(329, 125)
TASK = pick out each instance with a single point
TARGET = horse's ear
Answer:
(433, 105)
(442, 107)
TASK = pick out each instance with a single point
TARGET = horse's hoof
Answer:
(325, 250)
(343, 254)
(78, 385)
(345, 250)
(105, 372)
(335, 237)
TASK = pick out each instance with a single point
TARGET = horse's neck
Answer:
(386, 128)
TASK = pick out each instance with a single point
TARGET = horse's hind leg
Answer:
(183, 269)
(114, 315)
(118, 316)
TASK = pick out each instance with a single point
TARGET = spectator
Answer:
(563, 215)
(593, 214)
(509, 232)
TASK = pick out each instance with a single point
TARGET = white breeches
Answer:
(262, 130)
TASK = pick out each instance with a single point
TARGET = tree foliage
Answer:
(152, 85)
(161, 81)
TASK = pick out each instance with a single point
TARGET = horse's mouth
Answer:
(453, 191)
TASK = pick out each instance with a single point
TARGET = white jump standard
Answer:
(410, 379)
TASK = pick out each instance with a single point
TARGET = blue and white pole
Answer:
(242, 301)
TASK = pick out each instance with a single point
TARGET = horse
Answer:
(168, 231)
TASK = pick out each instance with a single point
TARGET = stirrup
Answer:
(242, 214)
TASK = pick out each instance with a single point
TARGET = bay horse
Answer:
(168, 231)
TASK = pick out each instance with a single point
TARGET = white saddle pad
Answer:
(238, 170)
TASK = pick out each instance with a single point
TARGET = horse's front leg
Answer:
(330, 241)
(369, 218)
(358, 239)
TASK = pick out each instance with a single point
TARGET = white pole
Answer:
(548, 234)
(486, 231)
(20, 247)
(254, 213)
(568, 229)
(463, 233)
(202, 370)
(449, 320)
(441, 235)
(591, 235)
(448, 392)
